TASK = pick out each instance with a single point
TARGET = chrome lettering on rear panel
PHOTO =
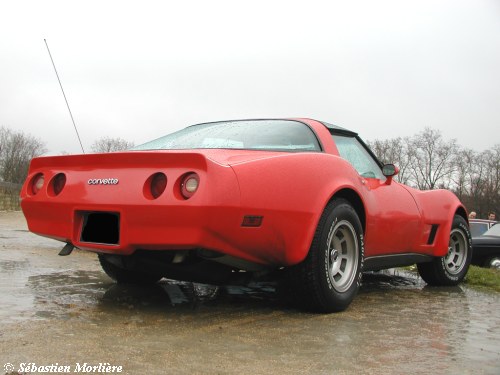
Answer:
(102, 181)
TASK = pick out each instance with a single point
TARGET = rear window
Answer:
(271, 135)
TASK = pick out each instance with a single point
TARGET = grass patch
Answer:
(483, 277)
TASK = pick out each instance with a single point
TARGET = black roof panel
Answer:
(339, 129)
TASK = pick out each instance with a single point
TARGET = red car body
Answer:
(255, 208)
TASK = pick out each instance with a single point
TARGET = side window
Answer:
(354, 152)
(478, 229)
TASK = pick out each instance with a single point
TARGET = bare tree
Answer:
(16, 151)
(492, 185)
(394, 151)
(431, 159)
(470, 176)
(107, 144)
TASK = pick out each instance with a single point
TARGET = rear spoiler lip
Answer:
(117, 159)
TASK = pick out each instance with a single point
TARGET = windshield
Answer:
(272, 135)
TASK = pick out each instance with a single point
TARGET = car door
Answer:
(393, 221)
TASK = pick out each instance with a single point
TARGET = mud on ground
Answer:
(63, 311)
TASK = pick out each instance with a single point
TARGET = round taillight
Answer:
(189, 185)
(37, 183)
(158, 184)
(57, 184)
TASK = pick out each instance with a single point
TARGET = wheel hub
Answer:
(334, 255)
(334, 264)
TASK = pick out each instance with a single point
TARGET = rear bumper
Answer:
(176, 228)
(140, 227)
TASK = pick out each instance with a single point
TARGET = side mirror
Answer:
(389, 171)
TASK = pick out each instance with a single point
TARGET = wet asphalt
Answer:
(65, 312)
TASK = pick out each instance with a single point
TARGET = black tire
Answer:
(126, 275)
(451, 268)
(330, 276)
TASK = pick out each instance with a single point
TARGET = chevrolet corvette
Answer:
(229, 201)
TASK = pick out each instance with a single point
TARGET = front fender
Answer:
(438, 207)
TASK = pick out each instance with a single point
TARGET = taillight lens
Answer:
(57, 184)
(189, 185)
(37, 183)
(158, 184)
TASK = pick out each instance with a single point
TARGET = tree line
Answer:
(426, 161)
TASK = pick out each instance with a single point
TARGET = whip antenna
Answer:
(67, 104)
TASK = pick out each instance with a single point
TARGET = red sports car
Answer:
(225, 201)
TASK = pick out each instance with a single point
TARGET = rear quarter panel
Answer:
(291, 192)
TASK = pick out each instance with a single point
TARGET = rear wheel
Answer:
(124, 275)
(329, 278)
(451, 268)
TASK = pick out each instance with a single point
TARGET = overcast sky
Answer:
(142, 69)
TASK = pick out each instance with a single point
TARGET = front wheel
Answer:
(330, 276)
(451, 268)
